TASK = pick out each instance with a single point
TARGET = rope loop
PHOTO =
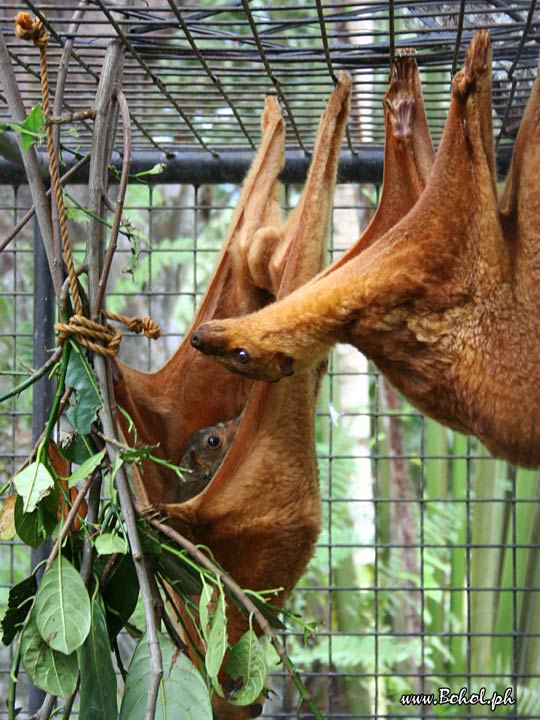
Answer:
(104, 339)
(27, 28)
(136, 324)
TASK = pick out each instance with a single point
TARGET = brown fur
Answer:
(260, 512)
(445, 302)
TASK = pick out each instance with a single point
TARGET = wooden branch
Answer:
(109, 78)
(101, 150)
(46, 709)
(117, 220)
(71, 117)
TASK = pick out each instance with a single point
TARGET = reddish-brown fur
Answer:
(445, 303)
(260, 513)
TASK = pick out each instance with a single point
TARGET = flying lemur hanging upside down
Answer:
(446, 303)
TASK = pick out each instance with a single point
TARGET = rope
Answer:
(103, 339)
(136, 324)
(27, 28)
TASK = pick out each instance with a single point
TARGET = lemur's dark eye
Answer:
(214, 441)
(242, 356)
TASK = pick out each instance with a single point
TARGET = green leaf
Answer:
(35, 527)
(62, 607)
(32, 484)
(120, 593)
(182, 692)
(204, 601)
(110, 543)
(155, 170)
(32, 127)
(78, 449)
(18, 608)
(98, 681)
(81, 378)
(149, 538)
(247, 665)
(217, 639)
(51, 671)
(86, 469)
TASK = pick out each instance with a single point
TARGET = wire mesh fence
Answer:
(425, 578)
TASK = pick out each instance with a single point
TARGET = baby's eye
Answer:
(214, 441)
(242, 356)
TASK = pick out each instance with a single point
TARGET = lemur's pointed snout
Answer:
(208, 338)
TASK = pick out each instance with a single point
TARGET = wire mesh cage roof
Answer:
(196, 74)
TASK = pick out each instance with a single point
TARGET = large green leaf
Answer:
(81, 378)
(247, 665)
(98, 681)
(182, 693)
(18, 607)
(63, 607)
(51, 671)
(32, 484)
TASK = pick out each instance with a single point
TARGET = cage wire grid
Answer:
(426, 572)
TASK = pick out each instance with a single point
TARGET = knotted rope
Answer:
(103, 339)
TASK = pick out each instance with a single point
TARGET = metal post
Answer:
(43, 389)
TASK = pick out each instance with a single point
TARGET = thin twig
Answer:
(71, 117)
(69, 520)
(33, 377)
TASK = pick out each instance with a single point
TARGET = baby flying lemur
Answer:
(204, 452)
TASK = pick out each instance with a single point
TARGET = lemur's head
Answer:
(220, 340)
